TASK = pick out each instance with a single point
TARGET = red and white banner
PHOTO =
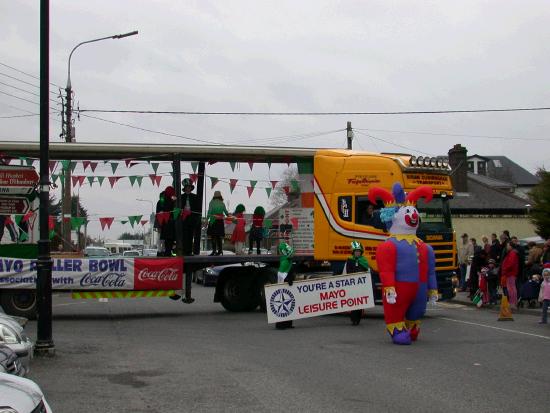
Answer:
(102, 274)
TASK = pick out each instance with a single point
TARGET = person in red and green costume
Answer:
(356, 263)
(285, 274)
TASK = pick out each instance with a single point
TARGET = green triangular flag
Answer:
(22, 159)
(123, 222)
(52, 233)
(194, 165)
(18, 219)
(114, 165)
(90, 180)
(139, 179)
(232, 164)
(295, 185)
(65, 164)
(77, 222)
(23, 236)
(73, 165)
(267, 223)
(54, 178)
(253, 183)
(176, 213)
(134, 219)
(155, 166)
(132, 180)
(213, 181)
(100, 179)
(268, 190)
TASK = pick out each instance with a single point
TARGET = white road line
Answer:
(494, 328)
(63, 304)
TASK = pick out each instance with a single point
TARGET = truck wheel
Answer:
(267, 275)
(19, 303)
(238, 294)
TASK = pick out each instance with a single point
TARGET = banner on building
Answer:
(97, 273)
(318, 296)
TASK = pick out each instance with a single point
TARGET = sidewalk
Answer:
(462, 298)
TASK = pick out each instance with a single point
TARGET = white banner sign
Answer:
(318, 296)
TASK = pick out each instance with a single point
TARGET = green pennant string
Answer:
(194, 165)
(90, 180)
(232, 164)
(52, 233)
(77, 222)
(155, 166)
(114, 165)
(123, 222)
(138, 180)
(73, 166)
(268, 223)
(134, 219)
(65, 164)
(132, 179)
(176, 213)
(268, 190)
(23, 236)
(54, 178)
(18, 219)
(100, 179)
(253, 183)
(213, 182)
(22, 159)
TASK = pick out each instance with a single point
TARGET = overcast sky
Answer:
(286, 56)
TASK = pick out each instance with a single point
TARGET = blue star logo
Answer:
(282, 302)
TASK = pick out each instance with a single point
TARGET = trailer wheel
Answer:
(20, 303)
(238, 293)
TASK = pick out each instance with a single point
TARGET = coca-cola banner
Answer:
(96, 273)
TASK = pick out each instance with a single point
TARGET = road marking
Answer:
(495, 328)
(63, 304)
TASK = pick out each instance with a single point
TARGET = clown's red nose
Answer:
(414, 216)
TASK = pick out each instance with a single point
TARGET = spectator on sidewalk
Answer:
(544, 295)
(546, 252)
(478, 262)
(495, 248)
(508, 274)
(533, 259)
(521, 255)
(486, 246)
(492, 281)
(465, 251)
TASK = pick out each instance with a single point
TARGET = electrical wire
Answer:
(410, 112)
(18, 88)
(27, 74)
(394, 144)
(453, 134)
(19, 116)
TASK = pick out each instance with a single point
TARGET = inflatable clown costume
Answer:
(405, 263)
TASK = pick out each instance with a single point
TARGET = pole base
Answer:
(188, 300)
(44, 349)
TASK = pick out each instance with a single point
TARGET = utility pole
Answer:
(67, 202)
(44, 342)
(349, 132)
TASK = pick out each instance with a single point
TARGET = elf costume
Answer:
(356, 263)
(285, 274)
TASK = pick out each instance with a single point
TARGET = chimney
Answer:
(459, 164)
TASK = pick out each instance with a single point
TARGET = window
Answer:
(470, 166)
(497, 163)
(367, 213)
(482, 168)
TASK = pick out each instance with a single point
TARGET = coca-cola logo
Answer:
(165, 274)
(110, 280)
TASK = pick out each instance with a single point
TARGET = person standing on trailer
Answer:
(216, 229)
(356, 263)
(190, 207)
(167, 203)
(239, 235)
(256, 230)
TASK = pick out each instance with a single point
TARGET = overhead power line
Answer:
(27, 74)
(393, 143)
(411, 112)
(19, 116)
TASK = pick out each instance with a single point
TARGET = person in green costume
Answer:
(216, 214)
(356, 263)
(285, 274)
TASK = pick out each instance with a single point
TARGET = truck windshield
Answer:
(435, 215)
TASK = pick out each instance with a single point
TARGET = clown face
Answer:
(405, 220)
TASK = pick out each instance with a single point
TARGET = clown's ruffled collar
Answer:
(410, 238)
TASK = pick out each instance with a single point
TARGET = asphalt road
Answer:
(156, 355)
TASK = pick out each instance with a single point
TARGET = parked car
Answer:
(131, 253)
(13, 336)
(21, 395)
(96, 252)
(150, 252)
(209, 276)
(9, 362)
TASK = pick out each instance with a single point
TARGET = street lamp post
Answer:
(69, 137)
(151, 218)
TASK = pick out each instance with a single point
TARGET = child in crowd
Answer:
(256, 230)
(239, 235)
(544, 295)
(483, 285)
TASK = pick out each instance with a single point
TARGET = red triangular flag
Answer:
(294, 222)
(52, 165)
(93, 165)
(113, 180)
(194, 177)
(74, 179)
(143, 222)
(106, 221)
(274, 184)
(232, 184)
(81, 180)
(27, 216)
(251, 164)
(212, 162)
(51, 223)
(128, 162)
(155, 179)
(85, 165)
(249, 189)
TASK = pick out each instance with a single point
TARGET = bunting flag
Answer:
(52, 165)
(194, 177)
(232, 164)
(77, 222)
(74, 179)
(294, 222)
(212, 162)
(194, 166)
(269, 165)
(114, 165)
(54, 178)
(155, 179)
(176, 213)
(251, 165)
(27, 216)
(93, 165)
(132, 179)
(249, 189)
(29, 161)
(274, 184)
(213, 182)
(113, 180)
(100, 179)
(18, 219)
(134, 219)
(268, 190)
(81, 180)
(85, 165)
(267, 223)
(155, 166)
(51, 222)
(73, 166)
(52, 234)
(106, 222)
(128, 163)
(123, 221)
(143, 222)
(253, 184)
(65, 164)
(286, 189)
(90, 180)
(139, 179)
(23, 236)
(232, 184)
(163, 217)
(295, 185)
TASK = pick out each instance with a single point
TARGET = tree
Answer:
(290, 179)
(540, 209)
(129, 235)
